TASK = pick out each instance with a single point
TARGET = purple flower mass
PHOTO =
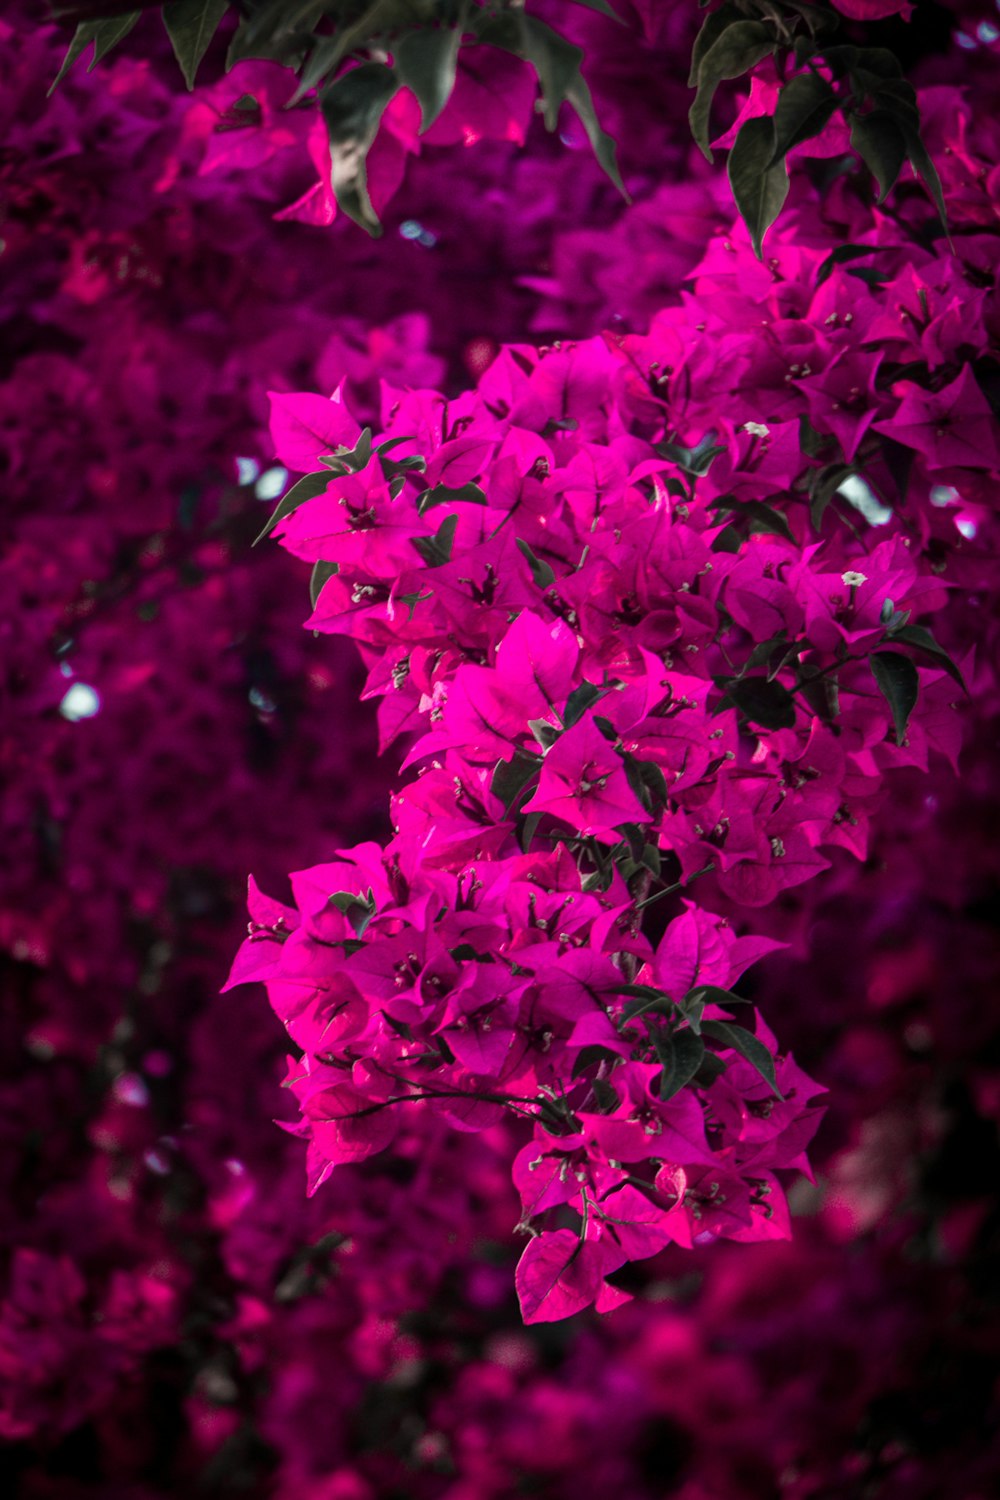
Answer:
(620, 952)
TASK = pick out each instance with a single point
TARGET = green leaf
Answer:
(921, 639)
(330, 51)
(556, 62)
(593, 1056)
(545, 734)
(746, 1044)
(713, 26)
(510, 777)
(436, 550)
(712, 1067)
(412, 600)
(696, 460)
(605, 1097)
(823, 485)
(655, 783)
(579, 700)
(842, 254)
(682, 1055)
(823, 696)
(602, 6)
(601, 143)
(647, 1003)
(740, 47)
(353, 459)
(443, 494)
(728, 540)
(425, 61)
(765, 703)
(353, 106)
(191, 25)
(103, 34)
(879, 142)
(920, 161)
(540, 571)
(322, 572)
(712, 994)
(899, 684)
(764, 650)
(358, 910)
(804, 106)
(306, 489)
(529, 829)
(762, 518)
(274, 21)
(759, 188)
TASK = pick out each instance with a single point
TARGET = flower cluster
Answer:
(175, 1313)
(630, 670)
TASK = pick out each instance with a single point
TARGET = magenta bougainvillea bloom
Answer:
(176, 1312)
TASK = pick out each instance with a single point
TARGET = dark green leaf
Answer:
(540, 571)
(353, 106)
(762, 518)
(879, 142)
(191, 25)
(306, 489)
(920, 161)
(545, 734)
(424, 62)
(321, 573)
(556, 61)
(696, 460)
(412, 600)
(823, 485)
(356, 458)
(593, 1056)
(713, 26)
(765, 703)
(601, 143)
(823, 696)
(529, 830)
(510, 777)
(747, 1045)
(882, 64)
(358, 910)
(436, 550)
(728, 540)
(330, 51)
(740, 47)
(899, 684)
(656, 784)
(103, 34)
(764, 650)
(840, 255)
(579, 700)
(805, 104)
(920, 637)
(759, 188)
(644, 1004)
(605, 1097)
(443, 494)
(712, 1067)
(712, 994)
(682, 1055)
(602, 6)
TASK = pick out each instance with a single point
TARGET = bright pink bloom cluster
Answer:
(175, 1313)
(595, 590)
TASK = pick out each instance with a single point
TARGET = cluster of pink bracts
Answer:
(174, 1310)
